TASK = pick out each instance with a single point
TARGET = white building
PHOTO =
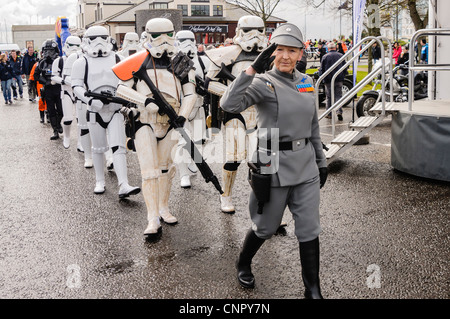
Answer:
(212, 21)
(34, 35)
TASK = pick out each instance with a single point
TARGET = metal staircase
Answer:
(365, 124)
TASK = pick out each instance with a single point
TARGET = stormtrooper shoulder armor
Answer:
(226, 55)
(124, 69)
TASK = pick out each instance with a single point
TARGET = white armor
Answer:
(72, 45)
(241, 138)
(130, 44)
(142, 39)
(153, 139)
(81, 109)
(195, 125)
(160, 37)
(93, 72)
(250, 34)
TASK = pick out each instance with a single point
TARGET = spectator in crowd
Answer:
(376, 53)
(201, 49)
(16, 64)
(424, 52)
(228, 42)
(327, 62)
(301, 65)
(6, 77)
(403, 58)
(27, 64)
(396, 51)
(322, 50)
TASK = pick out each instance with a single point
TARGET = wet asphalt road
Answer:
(385, 233)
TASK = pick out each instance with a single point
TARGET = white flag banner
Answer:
(358, 16)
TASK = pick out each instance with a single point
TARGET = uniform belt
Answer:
(284, 146)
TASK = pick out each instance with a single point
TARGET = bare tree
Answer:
(261, 8)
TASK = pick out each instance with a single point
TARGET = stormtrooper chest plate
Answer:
(100, 74)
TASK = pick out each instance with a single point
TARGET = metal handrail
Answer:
(333, 79)
(362, 83)
(423, 67)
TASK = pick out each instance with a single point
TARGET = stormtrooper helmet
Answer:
(72, 45)
(160, 37)
(130, 43)
(50, 50)
(143, 37)
(97, 42)
(186, 43)
(250, 34)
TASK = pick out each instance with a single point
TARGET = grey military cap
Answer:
(288, 34)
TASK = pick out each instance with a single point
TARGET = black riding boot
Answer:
(42, 115)
(309, 258)
(251, 245)
(53, 122)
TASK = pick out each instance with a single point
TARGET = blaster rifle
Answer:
(166, 108)
(107, 97)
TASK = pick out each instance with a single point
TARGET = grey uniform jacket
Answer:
(285, 102)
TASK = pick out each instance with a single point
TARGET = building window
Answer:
(184, 9)
(159, 5)
(217, 10)
(199, 0)
(199, 10)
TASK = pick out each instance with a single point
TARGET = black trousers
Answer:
(53, 100)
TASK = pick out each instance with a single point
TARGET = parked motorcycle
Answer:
(399, 90)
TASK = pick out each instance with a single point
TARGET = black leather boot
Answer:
(53, 122)
(251, 245)
(41, 113)
(309, 258)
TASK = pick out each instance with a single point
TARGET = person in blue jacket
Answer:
(28, 61)
(16, 64)
(424, 52)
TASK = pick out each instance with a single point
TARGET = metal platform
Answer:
(420, 139)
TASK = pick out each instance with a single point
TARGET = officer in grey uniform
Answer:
(290, 151)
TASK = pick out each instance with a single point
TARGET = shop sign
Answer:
(207, 28)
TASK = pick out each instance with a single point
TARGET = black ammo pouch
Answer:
(260, 184)
(181, 65)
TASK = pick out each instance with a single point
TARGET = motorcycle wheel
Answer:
(345, 88)
(365, 103)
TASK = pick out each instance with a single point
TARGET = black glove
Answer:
(323, 174)
(180, 121)
(264, 59)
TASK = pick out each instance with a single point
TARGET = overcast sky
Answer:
(319, 23)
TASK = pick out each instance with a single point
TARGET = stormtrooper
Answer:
(240, 129)
(130, 44)
(195, 124)
(92, 72)
(51, 92)
(71, 45)
(153, 137)
(142, 39)
(81, 109)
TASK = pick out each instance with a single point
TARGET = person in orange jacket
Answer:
(42, 105)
